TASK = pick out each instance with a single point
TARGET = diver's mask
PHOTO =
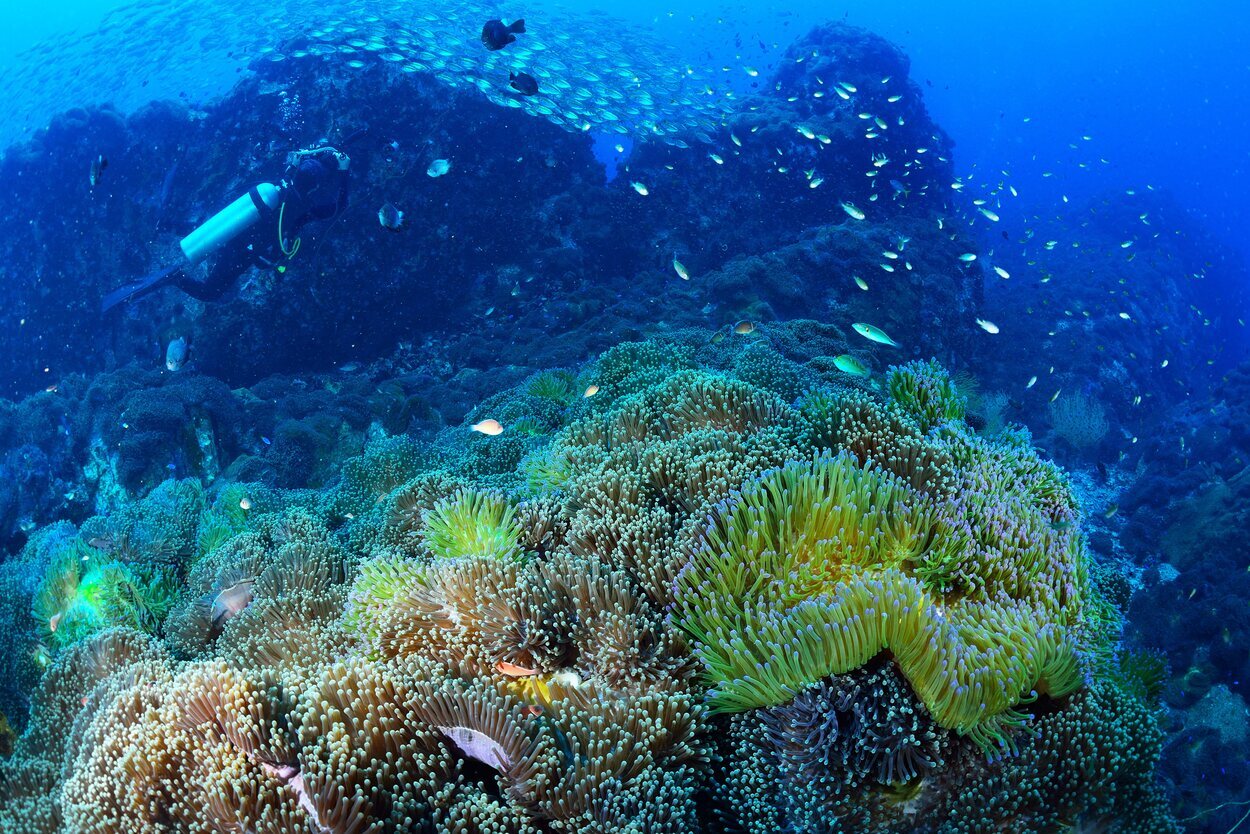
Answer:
(294, 158)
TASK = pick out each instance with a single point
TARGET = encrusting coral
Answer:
(693, 603)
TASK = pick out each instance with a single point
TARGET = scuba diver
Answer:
(260, 228)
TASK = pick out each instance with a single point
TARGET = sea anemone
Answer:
(551, 385)
(809, 572)
(472, 523)
(926, 392)
(79, 596)
(720, 611)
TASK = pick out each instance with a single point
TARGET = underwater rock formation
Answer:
(90, 445)
(1119, 299)
(532, 246)
(520, 239)
(544, 629)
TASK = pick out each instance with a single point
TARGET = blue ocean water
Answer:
(651, 418)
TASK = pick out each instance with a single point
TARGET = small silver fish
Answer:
(97, 169)
(176, 354)
(390, 217)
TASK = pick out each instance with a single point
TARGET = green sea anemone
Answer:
(552, 385)
(80, 595)
(926, 392)
(472, 523)
(816, 568)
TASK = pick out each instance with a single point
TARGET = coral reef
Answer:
(716, 609)
(710, 581)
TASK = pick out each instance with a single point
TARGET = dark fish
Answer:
(523, 83)
(495, 35)
(390, 217)
(97, 169)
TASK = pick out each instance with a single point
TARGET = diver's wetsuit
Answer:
(317, 190)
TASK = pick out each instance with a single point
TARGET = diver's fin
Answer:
(138, 288)
(517, 26)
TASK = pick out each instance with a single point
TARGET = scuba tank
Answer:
(226, 224)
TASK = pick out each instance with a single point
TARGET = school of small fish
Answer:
(584, 72)
(590, 72)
